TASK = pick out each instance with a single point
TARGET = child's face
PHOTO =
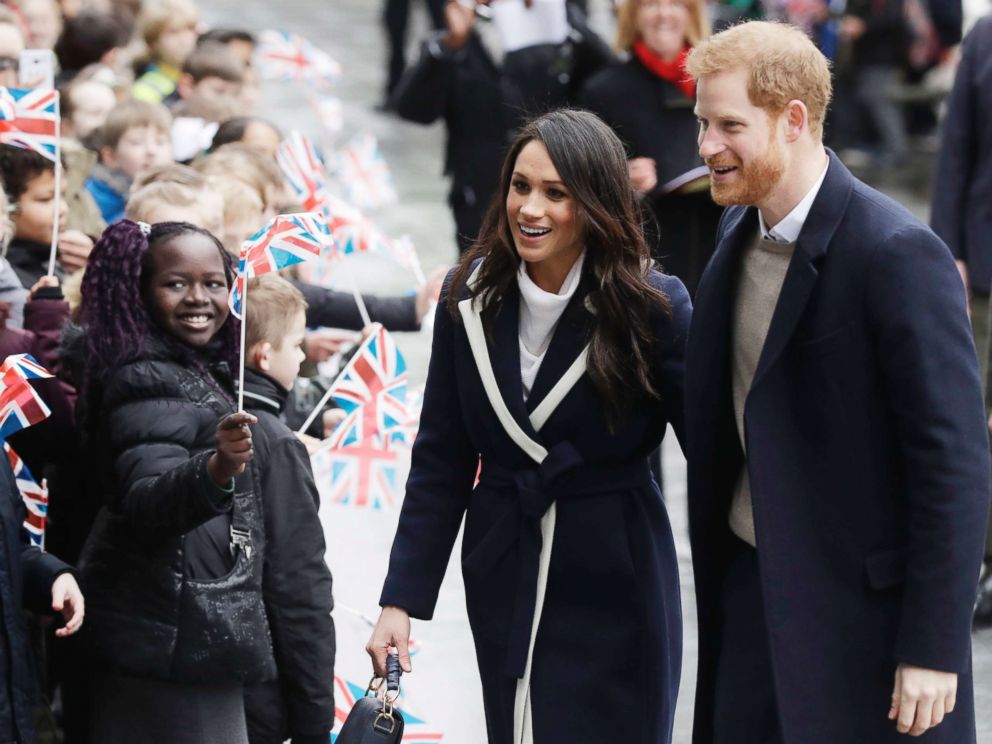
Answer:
(139, 148)
(282, 363)
(175, 43)
(217, 87)
(188, 289)
(91, 103)
(35, 208)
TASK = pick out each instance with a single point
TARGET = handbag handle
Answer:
(393, 672)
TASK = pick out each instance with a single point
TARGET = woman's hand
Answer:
(392, 630)
(234, 448)
(68, 599)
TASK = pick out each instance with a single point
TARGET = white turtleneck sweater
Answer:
(540, 312)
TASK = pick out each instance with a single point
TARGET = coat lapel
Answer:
(800, 279)
(708, 345)
(504, 351)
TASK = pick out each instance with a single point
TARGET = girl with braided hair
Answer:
(173, 564)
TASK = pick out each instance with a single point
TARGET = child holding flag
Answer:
(296, 582)
(173, 567)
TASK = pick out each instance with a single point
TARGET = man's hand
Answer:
(74, 250)
(921, 698)
(643, 174)
(68, 599)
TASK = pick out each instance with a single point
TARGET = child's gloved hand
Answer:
(234, 448)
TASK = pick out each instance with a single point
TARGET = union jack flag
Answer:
(346, 694)
(35, 498)
(29, 119)
(20, 405)
(364, 173)
(367, 472)
(22, 366)
(304, 170)
(290, 57)
(375, 377)
(287, 239)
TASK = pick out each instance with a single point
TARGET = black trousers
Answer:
(745, 711)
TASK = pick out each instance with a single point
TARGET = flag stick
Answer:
(363, 311)
(320, 406)
(244, 332)
(58, 187)
(418, 271)
(323, 401)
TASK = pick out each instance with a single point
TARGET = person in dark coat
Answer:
(173, 565)
(648, 101)
(837, 449)
(583, 642)
(29, 579)
(483, 94)
(296, 583)
(960, 212)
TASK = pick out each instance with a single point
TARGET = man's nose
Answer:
(709, 143)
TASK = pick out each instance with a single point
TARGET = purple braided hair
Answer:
(114, 309)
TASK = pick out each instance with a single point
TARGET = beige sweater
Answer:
(763, 268)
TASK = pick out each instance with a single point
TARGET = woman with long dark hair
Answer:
(557, 361)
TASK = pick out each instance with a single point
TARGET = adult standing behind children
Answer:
(557, 359)
(296, 582)
(838, 456)
(660, 131)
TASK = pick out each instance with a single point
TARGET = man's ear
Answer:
(796, 120)
(260, 356)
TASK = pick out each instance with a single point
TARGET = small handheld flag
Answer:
(364, 173)
(29, 119)
(304, 170)
(292, 58)
(285, 240)
(34, 495)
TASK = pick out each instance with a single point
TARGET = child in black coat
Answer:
(296, 583)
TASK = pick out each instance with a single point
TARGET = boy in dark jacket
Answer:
(296, 583)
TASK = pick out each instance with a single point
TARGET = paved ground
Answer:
(349, 30)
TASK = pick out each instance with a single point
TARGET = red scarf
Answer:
(674, 71)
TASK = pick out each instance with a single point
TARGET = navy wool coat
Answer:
(607, 654)
(869, 466)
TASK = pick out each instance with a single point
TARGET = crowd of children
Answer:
(188, 528)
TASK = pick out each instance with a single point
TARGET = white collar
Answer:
(788, 229)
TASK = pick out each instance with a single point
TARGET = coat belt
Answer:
(562, 473)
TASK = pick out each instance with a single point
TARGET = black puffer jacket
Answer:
(168, 595)
(296, 584)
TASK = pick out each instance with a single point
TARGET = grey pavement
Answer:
(350, 31)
